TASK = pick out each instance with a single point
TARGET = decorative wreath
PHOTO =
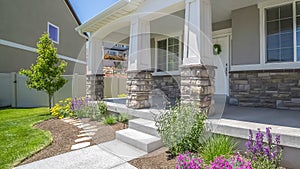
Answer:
(217, 49)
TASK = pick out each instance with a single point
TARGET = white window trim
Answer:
(263, 60)
(49, 23)
(174, 72)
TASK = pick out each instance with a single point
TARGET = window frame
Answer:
(160, 38)
(263, 30)
(48, 24)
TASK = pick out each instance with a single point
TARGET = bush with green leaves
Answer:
(102, 108)
(110, 120)
(123, 118)
(217, 145)
(180, 128)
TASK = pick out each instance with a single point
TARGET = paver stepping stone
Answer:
(80, 145)
(86, 134)
(83, 125)
(77, 124)
(88, 131)
(83, 139)
(89, 127)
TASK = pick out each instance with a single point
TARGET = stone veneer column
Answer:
(197, 85)
(95, 87)
(139, 85)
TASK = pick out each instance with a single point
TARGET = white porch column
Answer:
(95, 56)
(198, 33)
(95, 83)
(139, 47)
(197, 71)
(139, 77)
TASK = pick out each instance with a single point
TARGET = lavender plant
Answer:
(79, 106)
(264, 155)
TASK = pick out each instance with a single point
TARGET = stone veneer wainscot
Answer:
(267, 88)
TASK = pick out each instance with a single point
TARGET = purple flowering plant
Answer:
(189, 160)
(234, 162)
(79, 106)
(264, 155)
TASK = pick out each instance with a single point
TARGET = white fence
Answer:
(113, 86)
(15, 93)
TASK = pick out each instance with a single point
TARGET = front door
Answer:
(221, 60)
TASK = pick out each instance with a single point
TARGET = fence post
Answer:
(14, 96)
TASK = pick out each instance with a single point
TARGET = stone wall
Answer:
(269, 88)
(197, 85)
(139, 85)
(95, 87)
(169, 85)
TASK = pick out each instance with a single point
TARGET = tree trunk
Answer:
(50, 101)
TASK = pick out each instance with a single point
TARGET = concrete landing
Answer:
(93, 157)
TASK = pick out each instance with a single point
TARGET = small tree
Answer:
(46, 74)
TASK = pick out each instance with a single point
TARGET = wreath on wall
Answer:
(217, 49)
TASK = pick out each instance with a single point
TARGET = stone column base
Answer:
(197, 86)
(139, 85)
(95, 87)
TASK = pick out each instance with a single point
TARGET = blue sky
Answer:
(86, 9)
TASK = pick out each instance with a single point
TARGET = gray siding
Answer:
(222, 25)
(245, 36)
(25, 21)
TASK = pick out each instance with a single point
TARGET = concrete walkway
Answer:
(109, 155)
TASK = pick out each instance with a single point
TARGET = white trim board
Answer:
(31, 49)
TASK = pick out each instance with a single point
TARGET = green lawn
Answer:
(18, 138)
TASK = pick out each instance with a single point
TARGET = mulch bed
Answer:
(63, 136)
(158, 159)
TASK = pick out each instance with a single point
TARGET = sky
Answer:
(86, 9)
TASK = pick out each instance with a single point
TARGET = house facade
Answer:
(191, 50)
(23, 23)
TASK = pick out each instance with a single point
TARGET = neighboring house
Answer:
(259, 62)
(23, 23)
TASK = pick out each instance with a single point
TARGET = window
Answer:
(53, 32)
(168, 54)
(112, 52)
(280, 22)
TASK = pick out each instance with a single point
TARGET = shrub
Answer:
(110, 120)
(264, 155)
(234, 162)
(188, 160)
(103, 109)
(217, 145)
(180, 128)
(123, 118)
(79, 107)
(62, 109)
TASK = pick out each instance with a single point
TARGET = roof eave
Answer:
(104, 14)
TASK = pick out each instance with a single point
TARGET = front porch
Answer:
(236, 121)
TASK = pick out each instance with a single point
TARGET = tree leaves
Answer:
(46, 74)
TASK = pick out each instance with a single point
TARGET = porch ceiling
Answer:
(221, 10)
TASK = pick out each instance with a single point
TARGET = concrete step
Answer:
(143, 125)
(143, 141)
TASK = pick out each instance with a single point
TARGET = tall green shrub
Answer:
(46, 74)
(181, 127)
